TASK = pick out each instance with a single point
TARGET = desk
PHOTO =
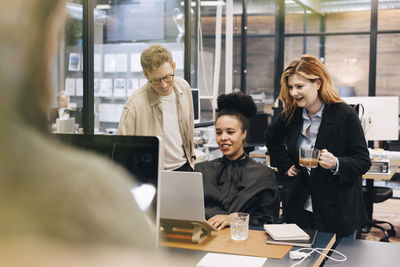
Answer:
(220, 241)
(366, 253)
(277, 254)
(259, 153)
(260, 156)
(381, 176)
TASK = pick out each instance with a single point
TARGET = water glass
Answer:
(239, 222)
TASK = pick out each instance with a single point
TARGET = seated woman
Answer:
(235, 182)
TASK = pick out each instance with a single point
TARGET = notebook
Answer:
(289, 231)
(182, 198)
(299, 243)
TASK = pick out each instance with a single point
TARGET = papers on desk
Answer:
(216, 259)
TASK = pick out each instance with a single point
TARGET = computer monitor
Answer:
(379, 116)
(138, 154)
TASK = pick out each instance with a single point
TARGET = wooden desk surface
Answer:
(382, 176)
(221, 242)
(324, 240)
(394, 162)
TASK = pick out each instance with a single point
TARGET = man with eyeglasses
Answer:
(162, 107)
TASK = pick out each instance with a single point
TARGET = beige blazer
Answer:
(142, 114)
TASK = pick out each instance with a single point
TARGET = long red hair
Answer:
(309, 67)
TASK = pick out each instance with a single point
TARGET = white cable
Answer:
(318, 250)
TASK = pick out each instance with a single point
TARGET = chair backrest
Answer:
(257, 130)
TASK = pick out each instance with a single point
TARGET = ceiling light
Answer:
(206, 3)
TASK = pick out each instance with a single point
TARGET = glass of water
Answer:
(239, 223)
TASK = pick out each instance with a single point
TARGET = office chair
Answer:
(257, 129)
(380, 194)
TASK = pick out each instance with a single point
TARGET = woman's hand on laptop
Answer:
(219, 221)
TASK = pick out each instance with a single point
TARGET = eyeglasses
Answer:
(166, 79)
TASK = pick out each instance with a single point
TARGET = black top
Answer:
(337, 199)
(243, 185)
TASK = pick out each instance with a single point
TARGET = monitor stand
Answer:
(186, 231)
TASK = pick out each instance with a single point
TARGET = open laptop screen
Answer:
(181, 196)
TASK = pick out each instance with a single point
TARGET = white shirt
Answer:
(172, 139)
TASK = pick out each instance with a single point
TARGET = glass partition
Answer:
(210, 52)
(294, 47)
(388, 15)
(260, 53)
(347, 59)
(65, 115)
(387, 65)
(300, 20)
(327, 36)
(347, 16)
(122, 30)
(388, 50)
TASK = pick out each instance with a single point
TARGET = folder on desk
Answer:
(298, 243)
(289, 231)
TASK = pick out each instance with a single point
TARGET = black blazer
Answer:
(337, 200)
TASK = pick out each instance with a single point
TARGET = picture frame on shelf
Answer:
(74, 62)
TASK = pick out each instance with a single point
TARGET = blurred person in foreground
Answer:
(49, 192)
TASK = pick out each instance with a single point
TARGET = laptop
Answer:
(182, 199)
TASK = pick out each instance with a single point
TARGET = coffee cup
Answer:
(309, 157)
